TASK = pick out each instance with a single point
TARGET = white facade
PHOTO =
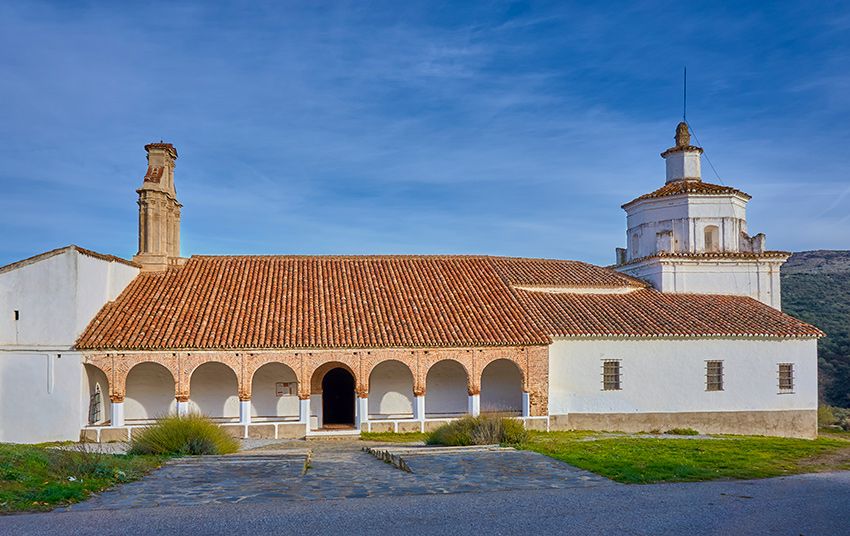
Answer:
(669, 375)
(45, 303)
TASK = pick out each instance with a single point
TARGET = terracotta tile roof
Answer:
(693, 187)
(714, 255)
(558, 273)
(316, 302)
(400, 301)
(57, 251)
(649, 313)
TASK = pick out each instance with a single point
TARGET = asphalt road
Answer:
(816, 504)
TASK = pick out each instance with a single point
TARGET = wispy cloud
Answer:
(382, 127)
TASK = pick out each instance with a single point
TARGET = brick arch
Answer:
(518, 361)
(318, 373)
(191, 362)
(408, 361)
(467, 365)
(255, 362)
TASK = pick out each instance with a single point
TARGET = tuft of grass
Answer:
(642, 460)
(37, 478)
(481, 430)
(187, 435)
(681, 431)
(392, 437)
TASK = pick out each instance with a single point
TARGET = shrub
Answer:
(681, 431)
(826, 417)
(482, 430)
(189, 435)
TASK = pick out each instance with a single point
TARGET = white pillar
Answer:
(304, 414)
(117, 414)
(419, 408)
(182, 408)
(526, 405)
(316, 407)
(244, 412)
(474, 408)
(361, 412)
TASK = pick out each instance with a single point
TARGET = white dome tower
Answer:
(690, 236)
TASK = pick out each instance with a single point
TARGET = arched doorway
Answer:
(338, 397)
(501, 387)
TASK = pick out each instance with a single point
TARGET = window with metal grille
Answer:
(786, 377)
(611, 375)
(714, 375)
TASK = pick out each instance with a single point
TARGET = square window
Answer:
(786, 377)
(714, 375)
(611, 375)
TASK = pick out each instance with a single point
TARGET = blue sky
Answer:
(402, 127)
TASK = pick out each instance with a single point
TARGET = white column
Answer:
(526, 405)
(244, 412)
(316, 407)
(474, 407)
(419, 408)
(361, 412)
(117, 414)
(182, 408)
(304, 414)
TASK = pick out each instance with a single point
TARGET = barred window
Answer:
(786, 377)
(611, 375)
(714, 375)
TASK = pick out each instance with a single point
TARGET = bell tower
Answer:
(159, 210)
(690, 236)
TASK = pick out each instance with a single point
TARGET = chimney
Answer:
(159, 211)
(683, 160)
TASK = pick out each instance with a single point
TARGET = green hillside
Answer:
(816, 289)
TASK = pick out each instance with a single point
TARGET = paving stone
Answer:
(338, 470)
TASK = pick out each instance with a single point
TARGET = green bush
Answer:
(681, 431)
(189, 435)
(482, 430)
(826, 417)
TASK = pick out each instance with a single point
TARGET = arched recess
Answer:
(149, 392)
(96, 404)
(391, 391)
(213, 391)
(501, 387)
(446, 389)
(274, 393)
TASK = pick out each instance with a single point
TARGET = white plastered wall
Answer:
(445, 389)
(56, 297)
(40, 396)
(149, 393)
(214, 391)
(265, 402)
(391, 391)
(668, 375)
(501, 387)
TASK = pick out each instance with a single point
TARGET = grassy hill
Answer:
(816, 289)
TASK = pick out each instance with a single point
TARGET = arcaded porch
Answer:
(292, 394)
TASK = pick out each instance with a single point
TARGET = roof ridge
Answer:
(57, 251)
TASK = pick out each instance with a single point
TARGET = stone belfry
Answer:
(159, 211)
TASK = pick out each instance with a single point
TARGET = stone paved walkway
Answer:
(336, 470)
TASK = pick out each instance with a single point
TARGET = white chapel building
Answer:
(685, 330)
